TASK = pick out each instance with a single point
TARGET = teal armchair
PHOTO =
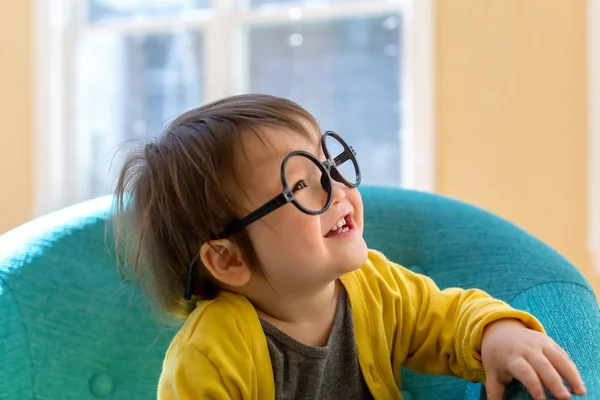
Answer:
(72, 328)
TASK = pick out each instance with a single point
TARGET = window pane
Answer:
(108, 9)
(268, 3)
(129, 87)
(345, 72)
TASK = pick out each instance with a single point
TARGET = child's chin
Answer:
(355, 258)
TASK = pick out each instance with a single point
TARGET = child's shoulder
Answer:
(212, 341)
(229, 317)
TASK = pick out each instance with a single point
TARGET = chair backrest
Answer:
(72, 328)
(459, 245)
(75, 330)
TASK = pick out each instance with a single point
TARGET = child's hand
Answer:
(510, 350)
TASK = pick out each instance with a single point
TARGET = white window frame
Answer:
(57, 24)
(593, 68)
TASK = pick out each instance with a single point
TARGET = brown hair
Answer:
(171, 195)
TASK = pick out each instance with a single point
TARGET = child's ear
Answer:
(225, 262)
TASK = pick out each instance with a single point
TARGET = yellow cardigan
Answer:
(400, 318)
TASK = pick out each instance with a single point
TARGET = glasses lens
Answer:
(304, 178)
(343, 158)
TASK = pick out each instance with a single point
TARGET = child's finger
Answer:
(548, 374)
(494, 388)
(522, 371)
(566, 368)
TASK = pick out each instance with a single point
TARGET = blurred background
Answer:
(496, 103)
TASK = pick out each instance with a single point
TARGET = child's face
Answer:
(297, 251)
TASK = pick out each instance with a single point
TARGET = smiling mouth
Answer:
(342, 226)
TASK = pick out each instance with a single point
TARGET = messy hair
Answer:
(172, 194)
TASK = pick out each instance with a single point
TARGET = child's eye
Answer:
(299, 185)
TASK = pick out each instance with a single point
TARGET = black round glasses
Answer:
(307, 184)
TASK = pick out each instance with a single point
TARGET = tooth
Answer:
(341, 223)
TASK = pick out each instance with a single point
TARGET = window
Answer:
(117, 70)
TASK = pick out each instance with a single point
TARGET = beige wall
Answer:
(511, 114)
(16, 197)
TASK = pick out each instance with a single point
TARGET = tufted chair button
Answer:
(101, 385)
(406, 395)
(417, 270)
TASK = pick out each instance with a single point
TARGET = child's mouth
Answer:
(342, 226)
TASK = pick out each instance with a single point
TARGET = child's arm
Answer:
(188, 374)
(442, 332)
(444, 328)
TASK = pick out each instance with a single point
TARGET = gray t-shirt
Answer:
(318, 373)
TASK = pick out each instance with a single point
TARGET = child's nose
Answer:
(339, 192)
